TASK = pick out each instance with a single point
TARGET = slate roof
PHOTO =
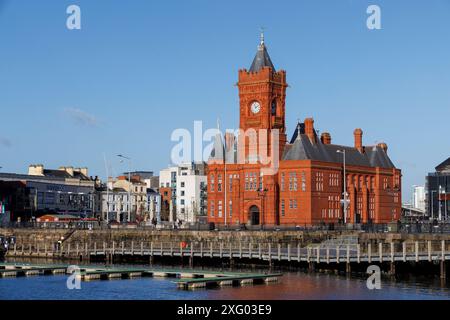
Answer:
(262, 59)
(444, 166)
(301, 148)
(64, 175)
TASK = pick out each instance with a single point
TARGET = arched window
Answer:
(274, 107)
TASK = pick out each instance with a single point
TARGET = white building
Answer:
(419, 198)
(144, 204)
(188, 191)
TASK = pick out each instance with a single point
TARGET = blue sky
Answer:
(137, 70)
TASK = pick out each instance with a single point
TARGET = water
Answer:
(293, 286)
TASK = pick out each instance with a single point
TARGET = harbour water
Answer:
(292, 286)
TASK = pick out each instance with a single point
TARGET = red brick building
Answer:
(257, 178)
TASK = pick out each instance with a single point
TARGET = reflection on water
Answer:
(293, 286)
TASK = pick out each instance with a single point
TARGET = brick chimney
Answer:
(309, 129)
(229, 140)
(383, 146)
(358, 133)
(325, 138)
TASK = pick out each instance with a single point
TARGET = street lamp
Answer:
(262, 194)
(129, 184)
(439, 202)
(344, 201)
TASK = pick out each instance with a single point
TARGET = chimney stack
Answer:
(309, 129)
(325, 138)
(383, 146)
(36, 170)
(358, 133)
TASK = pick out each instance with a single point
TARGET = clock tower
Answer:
(262, 94)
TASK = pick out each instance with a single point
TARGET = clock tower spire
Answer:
(262, 94)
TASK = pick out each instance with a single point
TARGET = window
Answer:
(253, 180)
(303, 181)
(219, 183)
(359, 205)
(372, 207)
(230, 211)
(250, 181)
(182, 184)
(292, 181)
(282, 181)
(220, 209)
(396, 181)
(282, 207)
(246, 181)
(182, 193)
(319, 181)
(291, 204)
(230, 183)
(274, 107)
(261, 178)
(385, 183)
(211, 208)
(333, 180)
(211, 183)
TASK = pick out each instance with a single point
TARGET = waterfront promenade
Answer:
(345, 251)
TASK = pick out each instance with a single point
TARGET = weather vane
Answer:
(262, 34)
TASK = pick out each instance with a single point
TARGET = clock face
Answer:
(255, 107)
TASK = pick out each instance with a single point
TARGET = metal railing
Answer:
(423, 227)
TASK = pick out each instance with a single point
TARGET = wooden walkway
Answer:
(352, 253)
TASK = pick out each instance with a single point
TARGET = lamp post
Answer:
(262, 194)
(344, 201)
(439, 203)
(444, 192)
(129, 184)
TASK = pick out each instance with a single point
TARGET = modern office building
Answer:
(183, 192)
(438, 191)
(66, 190)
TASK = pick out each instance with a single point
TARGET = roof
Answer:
(444, 166)
(301, 148)
(262, 58)
(59, 216)
(142, 174)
